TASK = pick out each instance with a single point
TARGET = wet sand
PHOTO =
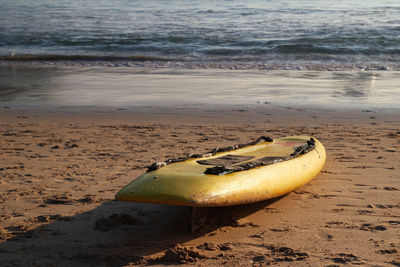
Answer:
(60, 170)
(27, 86)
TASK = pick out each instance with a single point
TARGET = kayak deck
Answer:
(250, 173)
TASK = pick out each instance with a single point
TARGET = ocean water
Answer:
(242, 34)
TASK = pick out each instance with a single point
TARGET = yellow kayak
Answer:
(242, 174)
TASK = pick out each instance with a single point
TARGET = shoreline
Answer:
(62, 169)
(127, 88)
(150, 62)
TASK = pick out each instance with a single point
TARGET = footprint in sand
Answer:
(372, 227)
(390, 188)
(324, 236)
(346, 258)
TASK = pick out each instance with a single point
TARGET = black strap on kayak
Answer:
(222, 169)
(157, 165)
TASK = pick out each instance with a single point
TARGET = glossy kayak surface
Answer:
(252, 173)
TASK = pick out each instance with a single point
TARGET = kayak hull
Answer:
(185, 183)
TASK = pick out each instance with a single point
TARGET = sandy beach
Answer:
(94, 92)
(60, 170)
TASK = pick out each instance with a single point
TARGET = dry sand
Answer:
(59, 173)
